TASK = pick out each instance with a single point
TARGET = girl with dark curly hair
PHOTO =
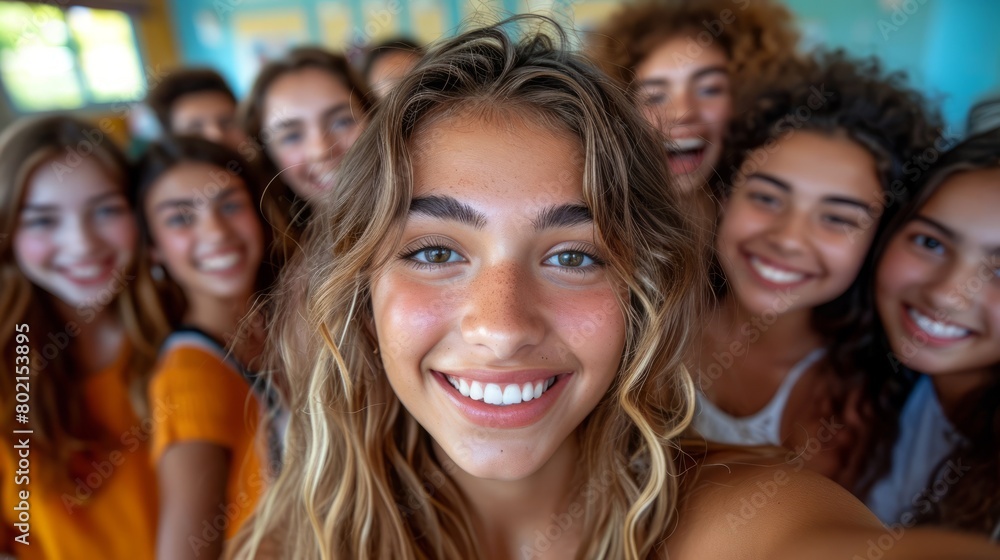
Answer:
(813, 170)
(683, 60)
(937, 290)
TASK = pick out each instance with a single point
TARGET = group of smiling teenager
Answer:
(498, 314)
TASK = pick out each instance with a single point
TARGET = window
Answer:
(54, 58)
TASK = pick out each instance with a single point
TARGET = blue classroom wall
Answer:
(949, 48)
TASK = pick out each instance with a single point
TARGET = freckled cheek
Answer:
(592, 326)
(410, 318)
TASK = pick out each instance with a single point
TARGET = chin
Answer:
(497, 460)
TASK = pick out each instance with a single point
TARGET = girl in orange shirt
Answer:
(206, 237)
(75, 353)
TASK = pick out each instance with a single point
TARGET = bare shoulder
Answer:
(777, 510)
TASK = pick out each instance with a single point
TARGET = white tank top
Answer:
(761, 428)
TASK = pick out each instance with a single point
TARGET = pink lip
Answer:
(916, 333)
(504, 417)
(768, 283)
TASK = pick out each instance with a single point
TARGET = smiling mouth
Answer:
(685, 155)
(500, 394)
(775, 274)
(940, 330)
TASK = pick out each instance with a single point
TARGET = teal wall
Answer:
(949, 48)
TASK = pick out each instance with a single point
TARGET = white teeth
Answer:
(221, 262)
(685, 144)
(527, 392)
(476, 391)
(512, 394)
(86, 272)
(776, 275)
(495, 394)
(492, 394)
(936, 329)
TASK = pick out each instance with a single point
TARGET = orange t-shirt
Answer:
(204, 398)
(108, 512)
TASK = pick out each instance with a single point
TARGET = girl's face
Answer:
(207, 235)
(795, 231)
(938, 284)
(311, 119)
(75, 234)
(498, 324)
(686, 94)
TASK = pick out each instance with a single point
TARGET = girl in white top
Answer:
(938, 300)
(811, 175)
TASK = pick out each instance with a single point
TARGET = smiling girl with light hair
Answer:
(501, 226)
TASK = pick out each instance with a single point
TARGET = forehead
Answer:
(820, 164)
(55, 182)
(303, 93)
(506, 161)
(968, 202)
(678, 56)
(203, 101)
(191, 179)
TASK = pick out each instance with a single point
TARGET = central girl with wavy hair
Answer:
(487, 362)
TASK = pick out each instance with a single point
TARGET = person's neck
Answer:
(98, 343)
(219, 318)
(785, 336)
(511, 517)
(954, 388)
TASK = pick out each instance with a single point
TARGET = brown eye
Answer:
(437, 255)
(571, 258)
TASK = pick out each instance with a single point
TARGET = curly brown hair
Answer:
(832, 93)
(754, 35)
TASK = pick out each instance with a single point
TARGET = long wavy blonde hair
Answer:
(360, 480)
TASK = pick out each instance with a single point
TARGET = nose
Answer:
(681, 108)
(952, 287)
(77, 238)
(213, 227)
(789, 232)
(500, 312)
(320, 145)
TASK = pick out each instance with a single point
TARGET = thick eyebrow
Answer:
(447, 208)
(173, 203)
(708, 70)
(53, 207)
(567, 215)
(783, 185)
(945, 231)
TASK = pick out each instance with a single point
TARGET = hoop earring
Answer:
(157, 273)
